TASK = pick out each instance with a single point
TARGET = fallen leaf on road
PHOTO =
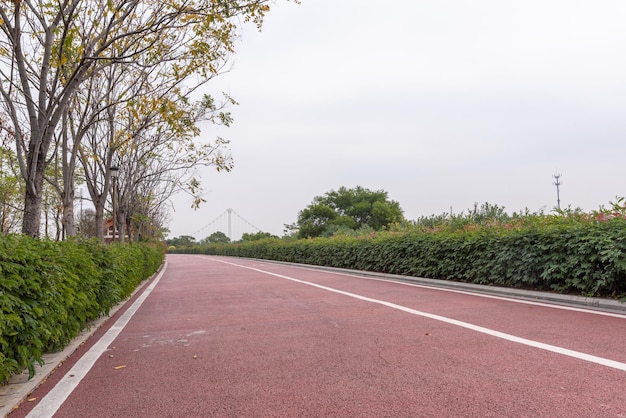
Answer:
(118, 367)
(31, 399)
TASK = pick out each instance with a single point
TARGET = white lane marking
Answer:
(50, 403)
(465, 292)
(531, 343)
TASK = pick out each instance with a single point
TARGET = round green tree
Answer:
(345, 208)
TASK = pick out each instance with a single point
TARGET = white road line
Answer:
(465, 292)
(50, 403)
(548, 347)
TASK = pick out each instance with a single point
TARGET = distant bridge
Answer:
(230, 223)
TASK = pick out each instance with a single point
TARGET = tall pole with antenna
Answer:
(557, 183)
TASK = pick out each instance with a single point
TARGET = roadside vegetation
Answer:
(50, 291)
(566, 251)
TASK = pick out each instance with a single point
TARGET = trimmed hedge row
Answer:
(50, 290)
(583, 257)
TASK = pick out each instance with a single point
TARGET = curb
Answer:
(599, 304)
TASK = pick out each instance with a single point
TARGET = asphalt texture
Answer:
(226, 337)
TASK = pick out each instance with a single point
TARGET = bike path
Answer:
(227, 337)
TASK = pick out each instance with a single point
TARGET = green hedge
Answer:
(579, 256)
(50, 290)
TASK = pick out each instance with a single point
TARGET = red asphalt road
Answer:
(215, 339)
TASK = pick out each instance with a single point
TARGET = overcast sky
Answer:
(439, 103)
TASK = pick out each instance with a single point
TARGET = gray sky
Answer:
(440, 103)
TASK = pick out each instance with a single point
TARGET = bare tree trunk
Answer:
(4, 227)
(68, 167)
(33, 198)
(99, 198)
(129, 230)
(99, 221)
(69, 225)
(121, 221)
(58, 222)
(31, 222)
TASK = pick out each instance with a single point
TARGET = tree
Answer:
(217, 237)
(160, 154)
(48, 50)
(183, 240)
(11, 192)
(257, 236)
(87, 226)
(347, 209)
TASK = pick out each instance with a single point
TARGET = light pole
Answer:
(114, 170)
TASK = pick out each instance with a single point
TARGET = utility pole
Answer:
(557, 183)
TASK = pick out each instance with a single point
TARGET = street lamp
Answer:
(114, 170)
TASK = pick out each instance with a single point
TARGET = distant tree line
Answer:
(360, 211)
(338, 211)
(217, 237)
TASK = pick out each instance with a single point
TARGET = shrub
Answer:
(50, 290)
(570, 253)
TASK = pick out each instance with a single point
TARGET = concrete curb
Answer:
(600, 304)
(20, 387)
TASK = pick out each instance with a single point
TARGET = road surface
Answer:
(227, 337)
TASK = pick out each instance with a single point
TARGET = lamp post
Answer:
(114, 170)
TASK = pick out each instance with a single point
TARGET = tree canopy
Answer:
(217, 237)
(256, 236)
(183, 240)
(98, 84)
(350, 209)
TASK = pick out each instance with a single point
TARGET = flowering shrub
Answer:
(616, 211)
